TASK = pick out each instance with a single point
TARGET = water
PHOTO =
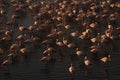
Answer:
(34, 69)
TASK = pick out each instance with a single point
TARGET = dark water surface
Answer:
(35, 70)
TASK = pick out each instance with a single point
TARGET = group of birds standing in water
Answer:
(64, 29)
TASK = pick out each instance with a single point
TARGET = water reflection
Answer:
(7, 73)
(48, 69)
(7, 76)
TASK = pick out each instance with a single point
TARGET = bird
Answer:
(11, 55)
(6, 38)
(93, 25)
(22, 28)
(45, 42)
(79, 52)
(60, 32)
(74, 34)
(1, 50)
(71, 45)
(93, 40)
(87, 62)
(65, 41)
(45, 58)
(31, 28)
(24, 50)
(59, 43)
(14, 46)
(71, 69)
(105, 59)
(6, 62)
(94, 49)
(20, 37)
(67, 26)
(8, 32)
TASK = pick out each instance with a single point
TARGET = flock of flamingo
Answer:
(64, 29)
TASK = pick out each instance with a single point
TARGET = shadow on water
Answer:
(48, 69)
(7, 74)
